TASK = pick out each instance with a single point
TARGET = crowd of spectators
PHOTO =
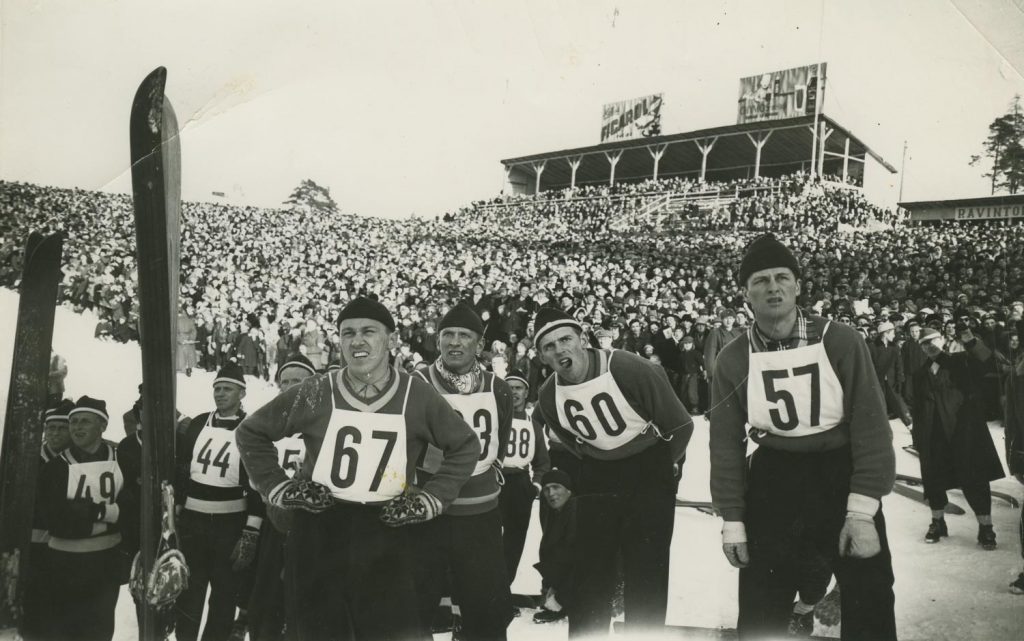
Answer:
(258, 283)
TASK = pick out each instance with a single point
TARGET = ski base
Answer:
(695, 632)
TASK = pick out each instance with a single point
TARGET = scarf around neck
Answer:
(462, 383)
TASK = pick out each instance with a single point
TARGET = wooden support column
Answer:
(574, 164)
(613, 159)
(846, 158)
(705, 147)
(758, 140)
(656, 151)
(825, 133)
(538, 169)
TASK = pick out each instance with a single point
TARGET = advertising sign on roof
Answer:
(781, 94)
(636, 118)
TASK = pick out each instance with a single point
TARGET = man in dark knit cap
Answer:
(465, 543)
(83, 505)
(808, 392)
(617, 412)
(525, 450)
(347, 561)
(557, 546)
(221, 516)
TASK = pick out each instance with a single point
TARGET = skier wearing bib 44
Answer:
(617, 412)
(807, 389)
(524, 449)
(83, 504)
(346, 561)
(465, 542)
(221, 519)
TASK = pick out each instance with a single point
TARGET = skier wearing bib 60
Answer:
(364, 427)
(619, 414)
(808, 391)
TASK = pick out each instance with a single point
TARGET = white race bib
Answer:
(597, 412)
(793, 392)
(291, 450)
(480, 411)
(215, 459)
(363, 456)
(521, 444)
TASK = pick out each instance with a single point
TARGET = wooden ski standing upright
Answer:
(23, 423)
(156, 186)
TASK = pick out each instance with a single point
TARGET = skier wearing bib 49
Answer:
(83, 504)
(220, 522)
(808, 391)
(617, 412)
(347, 562)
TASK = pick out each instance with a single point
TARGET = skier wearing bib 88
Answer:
(83, 506)
(465, 542)
(221, 519)
(524, 449)
(619, 414)
(364, 428)
(808, 391)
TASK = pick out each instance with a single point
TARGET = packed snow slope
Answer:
(951, 590)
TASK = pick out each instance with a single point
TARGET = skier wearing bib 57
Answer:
(808, 391)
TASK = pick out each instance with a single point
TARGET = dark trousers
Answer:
(266, 605)
(470, 547)
(350, 577)
(796, 506)
(627, 508)
(207, 541)
(516, 506)
(689, 391)
(83, 595)
(978, 495)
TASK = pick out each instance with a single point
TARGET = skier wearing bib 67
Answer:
(347, 562)
(808, 391)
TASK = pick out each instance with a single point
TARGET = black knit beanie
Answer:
(766, 252)
(365, 308)
(462, 315)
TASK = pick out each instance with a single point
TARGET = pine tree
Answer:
(312, 197)
(1004, 146)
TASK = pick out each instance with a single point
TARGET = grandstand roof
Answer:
(787, 149)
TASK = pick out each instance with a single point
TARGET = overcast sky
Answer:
(407, 107)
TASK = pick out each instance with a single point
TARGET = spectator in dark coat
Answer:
(692, 370)
(889, 368)
(913, 358)
(1015, 434)
(950, 432)
(557, 545)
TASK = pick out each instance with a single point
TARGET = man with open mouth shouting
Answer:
(618, 413)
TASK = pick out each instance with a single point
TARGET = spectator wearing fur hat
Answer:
(83, 504)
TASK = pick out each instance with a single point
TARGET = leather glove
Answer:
(859, 538)
(734, 544)
(302, 495)
(245, 549)
(410, 508)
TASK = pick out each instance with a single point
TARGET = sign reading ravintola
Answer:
(781, 94)
(636, 118)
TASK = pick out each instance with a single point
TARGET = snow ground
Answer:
(951, 590)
